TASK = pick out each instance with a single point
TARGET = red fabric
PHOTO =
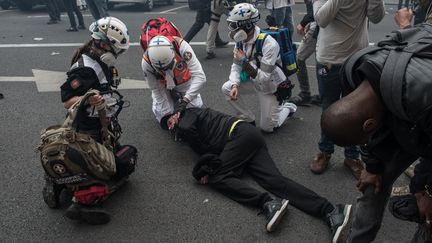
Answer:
(158, 26)
(91, 195)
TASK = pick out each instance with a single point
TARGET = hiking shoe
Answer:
(88, 214)
(355, 165)
(339, 221)
(51, 193)
(210, 55)
(274, 210)
(320, 163)
(300, 100)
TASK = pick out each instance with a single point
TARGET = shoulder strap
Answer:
(352, 60)
(259, 43)
(393, 74)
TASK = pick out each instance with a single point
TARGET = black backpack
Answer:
(405, 57)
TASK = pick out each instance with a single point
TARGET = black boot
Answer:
(88, 214)
(51, 193)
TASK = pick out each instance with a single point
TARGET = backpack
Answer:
(405, 58)
(287, 50)
(75, 158)
(158, 26)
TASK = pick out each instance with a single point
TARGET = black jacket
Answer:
(204, 129)
(412, 135)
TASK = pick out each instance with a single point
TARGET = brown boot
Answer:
(320, 163)
(355, 166)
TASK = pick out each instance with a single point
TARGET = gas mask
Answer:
(108, 58)
(238, 36)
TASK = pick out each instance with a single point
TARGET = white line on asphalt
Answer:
(16, 79)
(79, 44)
(169, 10)
(4, 11)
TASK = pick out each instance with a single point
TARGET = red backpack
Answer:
(158, 26)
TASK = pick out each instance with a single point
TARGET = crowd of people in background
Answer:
(231, 145)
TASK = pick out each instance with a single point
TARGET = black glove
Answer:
(271, 21)
(283, 91)
(181, 106)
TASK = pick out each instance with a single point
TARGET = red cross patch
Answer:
(187, 56)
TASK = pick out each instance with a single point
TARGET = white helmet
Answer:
(243, 15)
(160, 52)
(113, 31)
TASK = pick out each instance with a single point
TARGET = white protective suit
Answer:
(265, 84)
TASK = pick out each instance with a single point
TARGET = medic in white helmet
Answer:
(259, 72)
(174, 75)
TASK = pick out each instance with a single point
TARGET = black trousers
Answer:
(202, 17)
(71, 7)
(53, 9)
(247, 152)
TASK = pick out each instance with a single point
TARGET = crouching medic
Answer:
(255, 69)
(174, 75)
(84, 155)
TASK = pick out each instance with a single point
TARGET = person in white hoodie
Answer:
(174, 75)
(261, 72)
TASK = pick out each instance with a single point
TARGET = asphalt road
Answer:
(162, 202)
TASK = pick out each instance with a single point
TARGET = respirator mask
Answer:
(108, 58)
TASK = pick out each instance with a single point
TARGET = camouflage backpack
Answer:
(75, 158)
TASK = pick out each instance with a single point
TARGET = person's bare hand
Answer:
(96, 100)
(368, 179)
(173, 120)
(239, 54)
(204, 180)
(403, 17)
(234, 92)
(300, 29)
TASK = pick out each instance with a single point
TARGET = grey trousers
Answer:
(217, 9)
(370, 206)
(304, 51)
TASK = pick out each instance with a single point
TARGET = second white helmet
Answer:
(161, 52)
(243, 15)
(112, 31)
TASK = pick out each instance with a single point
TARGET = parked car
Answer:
(148, 4)
(24, 5)
(5, 4)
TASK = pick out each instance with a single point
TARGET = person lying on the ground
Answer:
(229, 147)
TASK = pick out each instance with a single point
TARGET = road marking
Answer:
(4, 11)
(170, 10)
(50, 81)
(89, 15)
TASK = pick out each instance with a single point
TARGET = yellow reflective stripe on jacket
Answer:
(233, 127)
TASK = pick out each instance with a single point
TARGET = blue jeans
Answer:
(283, 17)
(330, 90)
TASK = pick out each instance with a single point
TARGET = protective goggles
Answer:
(235, 25)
